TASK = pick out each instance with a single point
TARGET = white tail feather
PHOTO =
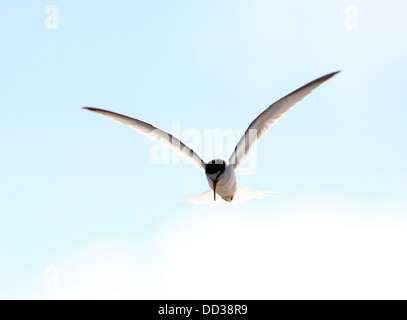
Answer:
(242, 194)
(206, 198)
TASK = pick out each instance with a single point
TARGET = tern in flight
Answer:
(220, 173)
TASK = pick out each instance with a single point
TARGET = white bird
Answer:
(219, 173)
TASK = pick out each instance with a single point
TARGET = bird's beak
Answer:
(214, 190)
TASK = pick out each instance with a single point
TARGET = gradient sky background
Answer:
(85, 214)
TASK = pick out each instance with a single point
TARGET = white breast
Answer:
(227, 184)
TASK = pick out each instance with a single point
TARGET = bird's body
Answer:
(226, 184)
(219, 173)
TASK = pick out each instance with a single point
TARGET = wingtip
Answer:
(334, 73)
(97, 110)
(328, 76)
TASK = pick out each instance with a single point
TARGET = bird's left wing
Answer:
(154, 133)
(271, 115)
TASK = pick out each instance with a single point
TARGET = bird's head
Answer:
(213, 171)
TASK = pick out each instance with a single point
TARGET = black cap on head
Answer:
(215, 166)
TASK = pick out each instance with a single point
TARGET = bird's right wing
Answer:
(154, 133)
(271, 115)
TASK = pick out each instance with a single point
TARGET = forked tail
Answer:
(242, 194)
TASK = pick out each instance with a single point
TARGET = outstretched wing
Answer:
(154, 133)
(270, 116)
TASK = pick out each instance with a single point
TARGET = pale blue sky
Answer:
(79, 192)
